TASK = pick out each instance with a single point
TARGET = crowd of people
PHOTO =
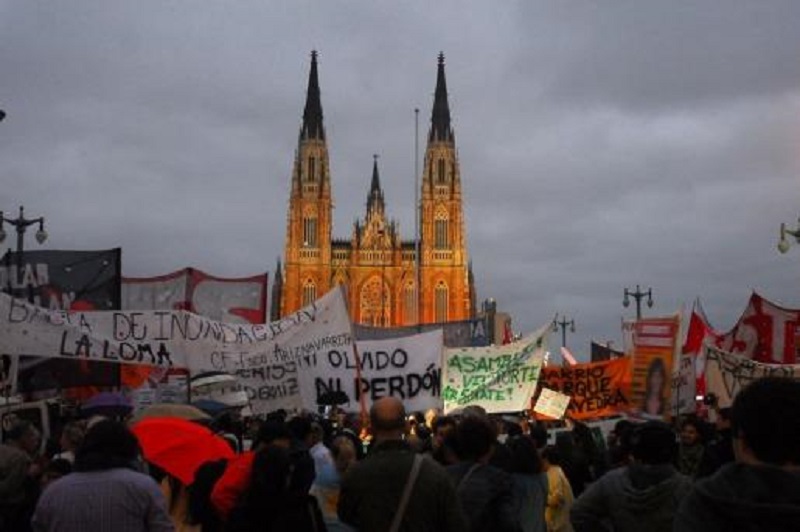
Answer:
(460, 473)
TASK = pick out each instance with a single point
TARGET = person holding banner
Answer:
(761, 491)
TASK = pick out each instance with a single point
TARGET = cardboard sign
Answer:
(497, 378)
(551, 403)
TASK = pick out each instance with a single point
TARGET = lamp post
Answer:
(783, 243)
(22, 224)
(638, 295)
(563, 323)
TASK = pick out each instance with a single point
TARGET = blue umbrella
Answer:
(109, 404)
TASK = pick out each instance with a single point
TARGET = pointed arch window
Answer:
(310, 232)
(440, 302)
(312, 164)
(441, 177)
(309, 292)
(441, 234)
(410, 303)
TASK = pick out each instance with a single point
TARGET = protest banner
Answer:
(497, 378)
(726, 374)
(273, 361)
(465, 333)
(408, 368)
(684, 388)
(765, 332)
(228, 299)
(64, 280)
(654, 344)
(551, 403)
(597, 389)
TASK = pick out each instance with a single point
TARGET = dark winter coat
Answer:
(633, 498)
(744, 498)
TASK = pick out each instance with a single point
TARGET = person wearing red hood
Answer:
(761, 490)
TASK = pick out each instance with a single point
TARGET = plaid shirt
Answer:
(115, 500)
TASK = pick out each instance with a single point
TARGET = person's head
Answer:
(317, 433)
(270, 477)
(344, 454)
(24, 435)
(524, 455)
(690, 432)
(473, 411)
(72, 436)
(388, 419)
(621, 430)
(442, 426)
(653, 443)
(475, 438)
(551, 456)
(272, 433)
(656, 377)
(300, 427)
(539, 435)
(766, 424)
(108, 444)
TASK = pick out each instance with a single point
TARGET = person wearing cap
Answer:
(761, 490)
(641, 496)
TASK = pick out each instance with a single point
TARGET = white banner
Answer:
(552, 403)
(684, 387)
(273, 361)
(727, 374)
(407, 367)
(498, 378)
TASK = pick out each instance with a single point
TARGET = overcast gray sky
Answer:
(602, 144)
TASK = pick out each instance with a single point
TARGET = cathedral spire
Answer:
(441, 130)
(375, 192)
(312, 114)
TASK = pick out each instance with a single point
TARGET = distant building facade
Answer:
(377, 267)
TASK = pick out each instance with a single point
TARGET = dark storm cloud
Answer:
(601, 144)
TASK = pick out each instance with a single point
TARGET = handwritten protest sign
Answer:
(551, 403)
(684, 387)
(273, 361)
(597, 389)
(727, 374)
(408, 368)
(498, 378)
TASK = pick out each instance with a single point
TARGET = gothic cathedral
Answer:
(378, 268)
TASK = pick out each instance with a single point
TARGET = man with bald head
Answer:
(394, 486)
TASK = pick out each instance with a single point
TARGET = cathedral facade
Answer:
(380, 270)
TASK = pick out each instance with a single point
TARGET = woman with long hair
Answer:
(530, 483)
(275, 499)
(654, 402)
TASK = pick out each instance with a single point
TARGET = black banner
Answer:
(64, 280)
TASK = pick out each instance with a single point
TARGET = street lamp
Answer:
(783, 243)
(22, 224)
(638, 295)
(563, 323)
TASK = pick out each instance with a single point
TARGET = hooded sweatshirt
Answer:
(744, 498)
(633, 498)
